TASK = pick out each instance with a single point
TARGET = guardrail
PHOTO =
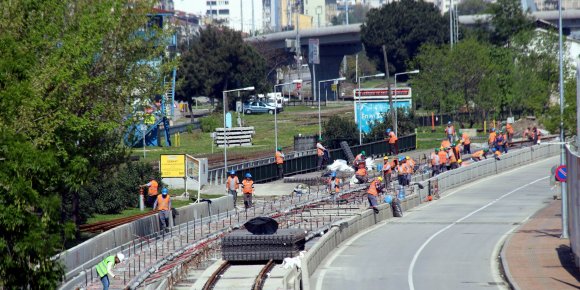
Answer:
(264, 170)
(573, 186)
(346, 228)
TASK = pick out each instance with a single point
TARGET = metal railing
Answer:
(573, 202)
(264, 170)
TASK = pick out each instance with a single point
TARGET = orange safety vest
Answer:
(373, 188)
(236, 183)
(162, 203)
(392, 138)
(411, 164)
(361, 171)
(450, 130)
(492, 137)
(509, 128)
(152, 191)
(452, 158)
(466, 140)
(442, 157)
(319, 151)
(387, 171)
(279, 158)
(248, 186)
(445, 143)
(477, 154)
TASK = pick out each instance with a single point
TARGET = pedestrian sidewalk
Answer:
(535, 257)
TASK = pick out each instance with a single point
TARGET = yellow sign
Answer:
(172, 166)
(333, 87)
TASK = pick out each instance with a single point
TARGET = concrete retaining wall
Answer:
(344, 229)
(83, 257)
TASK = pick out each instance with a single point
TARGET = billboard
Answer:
(172, 165)
(371, 104)
(372, 111)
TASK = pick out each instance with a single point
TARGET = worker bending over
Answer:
(375, 188)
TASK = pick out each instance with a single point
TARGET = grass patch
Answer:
(291, 122)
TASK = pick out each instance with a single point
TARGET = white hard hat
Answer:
(120, 256)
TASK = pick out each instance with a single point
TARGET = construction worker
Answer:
(393, 142)
(536, 135)
(466, 143)
(435, 162)
(358, 159)
(387, 171)
(527, 135)
(450, 132)
(248, 190)
(402, 171)
(375, 187)
(496, 153)
(320, 150)
(410, 168)
(334, 185)
(163, 205)
(492, 138)
(456, 149)
(151, 191)
(510, 132)
(461, 163)
(105, 268)
(361, 174)
(452, 160)
(443, 160)
(476, 156)
(502, 142)
(232, 185)
(280, 162)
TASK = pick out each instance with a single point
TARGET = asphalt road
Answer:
(452, 243)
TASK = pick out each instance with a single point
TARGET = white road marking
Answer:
(416, 256)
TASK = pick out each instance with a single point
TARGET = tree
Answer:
(219, 61)
(338, 129)
(403, 26)
(507, 20)
(365, 67)
(74, 67)
(472, 7)
(405, 125)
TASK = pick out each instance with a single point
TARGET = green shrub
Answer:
(338, 129)
(209, 123)
(406, 125)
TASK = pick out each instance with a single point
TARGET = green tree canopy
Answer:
(403, 26)
(218, 61)
(508, 20)
(356, 14)
(73, 68)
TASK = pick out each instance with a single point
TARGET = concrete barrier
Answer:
(344, 229)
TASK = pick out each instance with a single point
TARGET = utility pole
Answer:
(391, 105)
(253, 21)
(242, 14)
(563, 185)
(346, 11)
(451, 23)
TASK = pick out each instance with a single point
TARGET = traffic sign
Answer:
(561, 172)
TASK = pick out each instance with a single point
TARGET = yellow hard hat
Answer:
(459, 161)
(380, 179)
(407, 157)
(386, 158)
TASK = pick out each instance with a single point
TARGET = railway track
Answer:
(107, 225)
(243, 276)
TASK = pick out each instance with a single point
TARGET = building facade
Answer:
(242, 15)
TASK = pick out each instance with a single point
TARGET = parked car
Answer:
(259, 107)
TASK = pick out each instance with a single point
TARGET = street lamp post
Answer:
(396, 117)
(563, 189)
(319, 115)
(276, 109)
(357, 111)
(225, 132)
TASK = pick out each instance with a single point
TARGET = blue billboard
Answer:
(369, 112)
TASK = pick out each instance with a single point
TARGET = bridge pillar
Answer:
(329, 68)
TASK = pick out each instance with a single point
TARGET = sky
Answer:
(191, 6)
